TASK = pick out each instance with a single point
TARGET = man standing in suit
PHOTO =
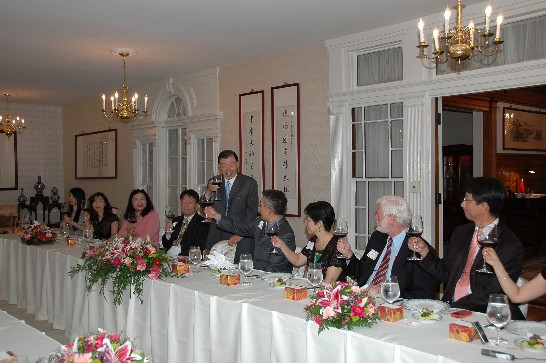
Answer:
(387, 253)
(464, 287)
(272, 207)
(187, 229)
(239, 201)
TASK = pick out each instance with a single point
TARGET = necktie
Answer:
(228, 189)
(463, 285)
(384, 266)
(182, 230)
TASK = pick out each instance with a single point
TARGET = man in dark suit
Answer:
(238, 196)
(272, 207)
(188, 229)
(464, 287)
(392, 217)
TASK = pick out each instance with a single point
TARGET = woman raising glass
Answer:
(322, 247)
(141, 220)
(76, 216)
(105, 223)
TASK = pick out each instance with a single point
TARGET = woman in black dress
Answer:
(75, 217)
(105, 222)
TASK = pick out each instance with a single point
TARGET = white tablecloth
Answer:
(195, 319)
(24, 341)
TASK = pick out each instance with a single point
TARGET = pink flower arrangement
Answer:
(38, 234)
(126, 263)
(342, 305)
(97, 347)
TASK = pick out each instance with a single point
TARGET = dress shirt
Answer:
(397, 242)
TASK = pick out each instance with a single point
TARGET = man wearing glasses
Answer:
(465, 287)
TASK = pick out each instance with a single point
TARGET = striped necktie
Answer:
(462, 288)
(381, 273)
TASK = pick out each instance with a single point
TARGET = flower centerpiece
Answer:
(124, 261)
(38, 234)
(97, 347)
(342, 305)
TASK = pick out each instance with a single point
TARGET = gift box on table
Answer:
(390, 313)
(74, 242)
(295, 293)
(230, 279)
(462, 331)
(180, 268)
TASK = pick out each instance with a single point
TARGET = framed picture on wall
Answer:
(251, 135)
(524, 130)
(285, 132)
(8, 162)
(96, 155)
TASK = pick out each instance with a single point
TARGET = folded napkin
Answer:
(217, 260)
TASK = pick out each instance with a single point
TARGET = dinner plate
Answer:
(519, 342)
(417, 316)
(521, 327)
(420, 304)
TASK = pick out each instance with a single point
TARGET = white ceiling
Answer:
(57, 52)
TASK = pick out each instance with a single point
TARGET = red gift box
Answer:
(230, 279)
(462, 331)
(390, 313)
(180, 268)
(295, 293)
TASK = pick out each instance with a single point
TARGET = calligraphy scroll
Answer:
(96, 155)
(251, 135)
(285, 129)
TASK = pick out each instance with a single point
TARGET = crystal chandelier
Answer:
(460, 42)
(11, 124)
(122, 110)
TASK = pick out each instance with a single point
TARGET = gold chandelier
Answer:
(460, 42)
(11, 125)
(122, 110)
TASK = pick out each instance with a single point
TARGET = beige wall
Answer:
(86, 117)
(308, 67)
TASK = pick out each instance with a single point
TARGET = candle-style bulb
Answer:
(499, 22)
(447, 15)
(421, 26)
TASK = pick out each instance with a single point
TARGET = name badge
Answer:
(310, 245)
(373, 254)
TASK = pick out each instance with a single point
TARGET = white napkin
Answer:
(174, 251)
(217, 260)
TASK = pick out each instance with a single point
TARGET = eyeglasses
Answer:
(465, 199)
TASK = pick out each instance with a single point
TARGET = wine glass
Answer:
(246, 265)
(340, 230)
(487, 240)
(65, 209)
(87, 234)
(207, 201)
(217, 180)
(415, 230)
(272, 229)
(85, 205)
(170, 214)
(25, 221)
(65, 231)
(498, 314)
(314, 275)
(390, 290)
(194, 255)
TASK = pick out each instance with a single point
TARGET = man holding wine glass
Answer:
(271, 223)
(387, 253)
(467, 285)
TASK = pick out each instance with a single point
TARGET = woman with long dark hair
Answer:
(141, 220)
(105, 223)
(75, 217)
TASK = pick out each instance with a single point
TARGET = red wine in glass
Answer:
(216, 180)
(341, 229)
(487, 240)
(415, 230)
(413, 233)
(271, 230)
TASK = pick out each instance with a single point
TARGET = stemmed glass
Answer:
(65, 209)
(170, 214)
(246, 265)
(314, 275)
(65, 231)
(415, 230)
(217, 180)
(498, 314)
(487, 240)
(194, 255)
(390, 290)
(87, 235)
(85, 205)
(206, 201)
(25, 222)
(272, 229)
(340, 230)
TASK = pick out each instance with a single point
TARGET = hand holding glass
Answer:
(390, 291)
(498, 314)
(415, 230)
(170, 214)
(246, 265)
(487, 240)
(217, 181)
(272, 229)
(207, 201)
(340, 230)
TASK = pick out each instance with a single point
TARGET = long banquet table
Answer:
(195, 319)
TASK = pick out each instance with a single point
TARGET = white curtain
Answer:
(379, 67)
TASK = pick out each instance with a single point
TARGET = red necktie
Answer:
(463, 285)
(381, 273)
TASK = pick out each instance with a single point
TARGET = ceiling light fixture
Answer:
(122, 110)
(460, 42)
(11, 125)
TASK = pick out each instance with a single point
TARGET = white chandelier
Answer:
(122, 110)
(460, 42)
(11, 124)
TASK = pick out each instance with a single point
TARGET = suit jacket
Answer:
(243, 205)
(263, 258)
(195, 234)
(449, 269)
(414, 282)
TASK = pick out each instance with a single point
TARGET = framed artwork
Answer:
(251, 135)
(524, 130)
(8, 161)
(96, 155)
(285, 132)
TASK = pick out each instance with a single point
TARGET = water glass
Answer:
(65, 231)
(498, 314)
(314, 274)
(194, 255)
(390, 290)
(87, 234)
(246, 265)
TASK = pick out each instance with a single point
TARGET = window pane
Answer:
(399, 188)
(397, 110)
(376, 190)
(397, 134)
(173, 171)
(150, 154)
(358, 164)
(173, 199)
(173, 142)
(380, 67)
(360, 220)
(183, 148)
(357, 136)
(360, 195)
(376, 113)
(361, 242)
(377, 149)
(200, 150)
(396, 162)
